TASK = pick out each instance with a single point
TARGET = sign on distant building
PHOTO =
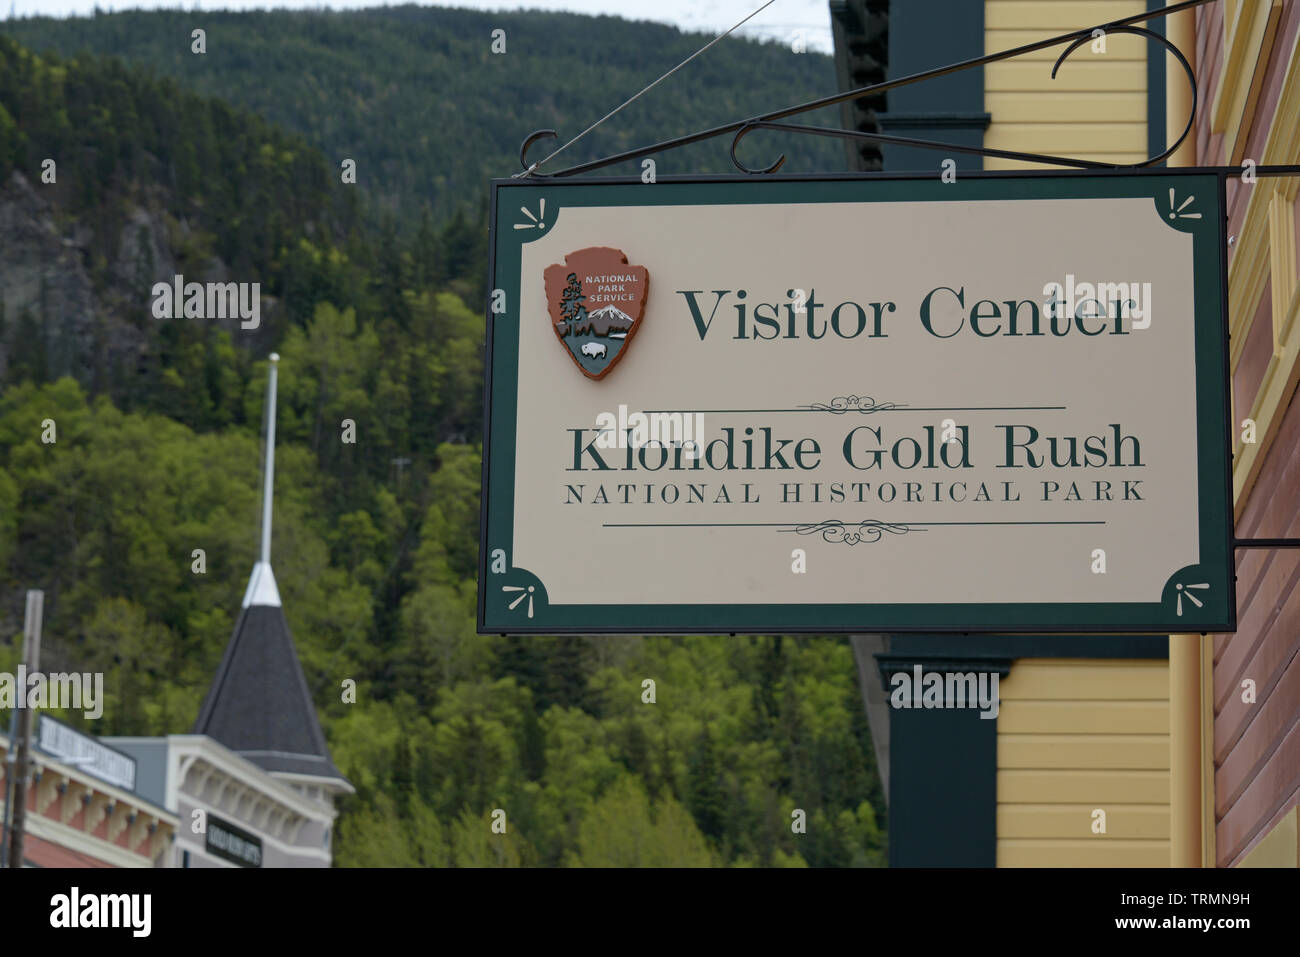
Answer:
(85, 753)
(997, 404)
(232, 843)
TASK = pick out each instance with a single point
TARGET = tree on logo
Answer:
(571, 304)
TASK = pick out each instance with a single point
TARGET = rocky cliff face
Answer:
(73, 306)
(45, 287)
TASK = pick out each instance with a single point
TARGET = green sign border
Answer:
(532, 614)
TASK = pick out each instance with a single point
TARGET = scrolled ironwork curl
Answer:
(531, 170)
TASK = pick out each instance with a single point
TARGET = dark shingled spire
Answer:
(258, 705)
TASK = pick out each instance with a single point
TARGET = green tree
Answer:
(706, 799)
(623, 829)
(372, 835)
(474, 843)
(572, 309)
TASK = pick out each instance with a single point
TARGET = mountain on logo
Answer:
(596, 339)
(604, 321)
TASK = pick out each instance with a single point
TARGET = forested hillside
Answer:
(375, 549)
(417, 97)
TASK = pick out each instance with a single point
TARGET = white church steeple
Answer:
(261, 584)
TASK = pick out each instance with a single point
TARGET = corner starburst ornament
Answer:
(1183, 591)
(528, 593)
(538, 221)
(1176, 212)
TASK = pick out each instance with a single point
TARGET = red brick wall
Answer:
(1256, 744)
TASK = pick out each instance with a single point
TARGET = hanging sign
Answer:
(232, 843)
(85, 753)
(860, 404)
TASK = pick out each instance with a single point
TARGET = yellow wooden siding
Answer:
(1118, 47)
(1076, 735)
(1069, 139)
(1084, 717)
(1095, 109)
(1051, 821)
(1083, 853)
(1058, 16)
(1063, 785)
(1083, 76)
(1079, 107)
(1088, 751)
(1089, 679)
(1280, 847)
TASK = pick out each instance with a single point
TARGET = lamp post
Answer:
(20, 732)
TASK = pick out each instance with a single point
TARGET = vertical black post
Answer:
(947, 108)
(943, 760)
(20, 742)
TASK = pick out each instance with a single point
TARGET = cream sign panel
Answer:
(991, 405)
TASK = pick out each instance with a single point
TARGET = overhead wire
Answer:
(645, 89)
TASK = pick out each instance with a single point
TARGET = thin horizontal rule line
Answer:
(845, 411)
(917, 525)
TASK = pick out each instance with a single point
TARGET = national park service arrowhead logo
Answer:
(596, 301)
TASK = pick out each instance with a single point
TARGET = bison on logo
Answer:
(596, 301)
